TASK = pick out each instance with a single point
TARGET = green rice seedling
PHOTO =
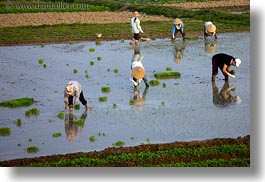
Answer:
(75, 71)
(132, 137)
(116, 70)
(5, 131)
(131, 102)
(153, 38)
(114, 106)
(154, 82)
(92, 138)
(164, 85)
(163, 103)
(30, 140)
(56, 135)
(168, 68)
(122, 40)
(98, 42)
(87, 75)
(119, 143)
(17, 102)
(33, 111)
(19, 144)
(32, 149)
(99, 58)
(18, 122)
(108, 70)
(44, 66)
(41, 61)
(103, 99)
(192, 38)
(71, 42)
(91, 63)
(67, 64)
(166, 75)
(42, 45)
(60, 115)
(91, 49)
(79, 122)
(77, 106)
(105, 89)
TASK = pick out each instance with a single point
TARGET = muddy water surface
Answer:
(184, 109)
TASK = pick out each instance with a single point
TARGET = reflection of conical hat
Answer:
(211, 28)
(212, 49)
(138, 72)
(177, 21)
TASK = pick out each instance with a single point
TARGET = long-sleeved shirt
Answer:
(174, 28)
(77, 91)
(135, 24)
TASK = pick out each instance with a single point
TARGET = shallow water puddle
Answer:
(181, 109)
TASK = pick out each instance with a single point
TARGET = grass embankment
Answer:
(209, 153)
(193, 20)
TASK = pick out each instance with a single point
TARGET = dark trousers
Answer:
(215, 69)
(137, 36)
(144, 79)
(182, 33)
(81, 98)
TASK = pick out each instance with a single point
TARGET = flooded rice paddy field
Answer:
(184, 109)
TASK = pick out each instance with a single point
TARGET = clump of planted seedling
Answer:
(77, 106)
(75, 71)
(56, 135)
(99, 58)
(168, 68)
(154, 82)
(32, 149)
(91, 49)
(17, 102)
(103, 99)
(165, 75)
(131, 102)
(5, 131)
(164, 85)
(116, 70)
(118, 143)
(33, 111)
(60, 115)
(91, 63)
(114, 106)
(92, 138)
(79, 122)
(41, 61)
(44, 66)
(71, 42)
(18, 122)
(105, 89)
(86, 74)
(122, 40)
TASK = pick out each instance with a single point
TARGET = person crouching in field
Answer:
(72, 93)
(223, 62)
(138, 71)
(209, 30)
(177, 26)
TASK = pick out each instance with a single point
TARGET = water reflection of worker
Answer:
(179, 48)
(224, 97)
(73, 130)
(138, 71)
(210, 46)
(138, 97)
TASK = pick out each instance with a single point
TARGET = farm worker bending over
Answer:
(210, 30)
(223, 62)
(177, 26)
(136, 27)
(73, 89)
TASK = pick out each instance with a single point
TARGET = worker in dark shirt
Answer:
(223, 62)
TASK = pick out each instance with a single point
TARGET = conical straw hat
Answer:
(138, 72)
(211, 28)
(177, 21)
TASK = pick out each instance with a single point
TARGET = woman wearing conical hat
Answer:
(209, 30)
(177, 26)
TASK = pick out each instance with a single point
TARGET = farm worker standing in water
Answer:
(136, 27)
(177, 26)
(223, 62)
(209, 30)
(73, 89)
